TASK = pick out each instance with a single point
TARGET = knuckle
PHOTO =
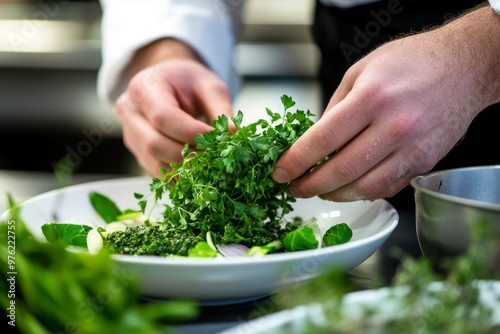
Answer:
(151, 146)
(420, 160)
(157, 118)
(135, 88)
(220, 89)
(346, 172)
(122, 106)
(368, 189)
(326, 137)
(141, 83)
(400, 128)
(378, 94)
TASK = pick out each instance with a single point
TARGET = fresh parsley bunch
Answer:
(225, 187)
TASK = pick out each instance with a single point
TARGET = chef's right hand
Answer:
(171, 98)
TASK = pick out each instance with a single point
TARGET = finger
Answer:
(145, 141)
(169, 119)
(350, 163)
(377, 163)
(346, 85)
(215, 100)
(344, 122)
(385, 180)
(152, 150)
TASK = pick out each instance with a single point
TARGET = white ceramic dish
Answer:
(222, 280)
(385, 302)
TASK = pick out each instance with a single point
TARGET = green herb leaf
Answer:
(225, 187)
(337, 234)
(202, 249)
(43, 306)
(104, 206)
(238, 119)
(287, 101)
(300, 239)
(66, 234)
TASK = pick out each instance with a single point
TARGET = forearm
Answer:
(475, 45)
(161, 50)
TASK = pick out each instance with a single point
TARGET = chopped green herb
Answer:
(226, 187)
(153, 240)
(223, 191)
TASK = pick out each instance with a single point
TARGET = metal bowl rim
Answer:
(455, 199)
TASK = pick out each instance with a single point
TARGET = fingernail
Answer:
(280, 175)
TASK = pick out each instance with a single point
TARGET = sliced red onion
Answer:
(232, 250)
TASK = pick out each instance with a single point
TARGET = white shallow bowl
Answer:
(221, 280)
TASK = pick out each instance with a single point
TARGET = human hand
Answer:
(397, 112)
(165, 106)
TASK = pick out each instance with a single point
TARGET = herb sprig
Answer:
(225, 187)
(222, 194)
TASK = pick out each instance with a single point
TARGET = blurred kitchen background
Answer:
(49, 58)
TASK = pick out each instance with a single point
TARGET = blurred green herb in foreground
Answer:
(47, 289)
(461, 297)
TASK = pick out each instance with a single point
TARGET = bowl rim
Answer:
(382, 234)
(414, 182)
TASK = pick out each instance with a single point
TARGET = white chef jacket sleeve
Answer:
(495, 4)
(208, 26)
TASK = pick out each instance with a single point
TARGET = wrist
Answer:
(161, 50)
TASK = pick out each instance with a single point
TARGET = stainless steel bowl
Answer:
(450, 204)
